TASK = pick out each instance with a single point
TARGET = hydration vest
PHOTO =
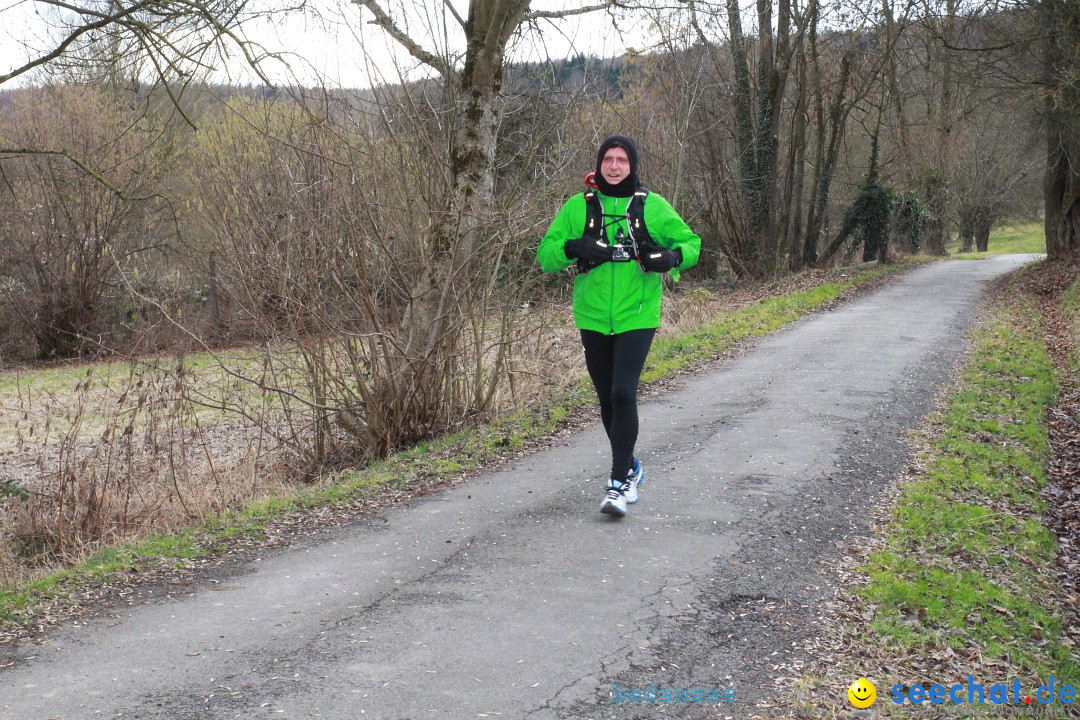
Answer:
(635, 217)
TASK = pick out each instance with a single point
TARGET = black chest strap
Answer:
(635, 219)
(594, 215)
(595, 221)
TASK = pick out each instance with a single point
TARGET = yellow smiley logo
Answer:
(862, 693)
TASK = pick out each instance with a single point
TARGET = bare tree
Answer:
(1031, 49)
(319, 209)
(465, 241)
(832, 105)
(994, 171)
(470, 158)
(163, 43)
(772, 140)
(757, 123)
(756, 93)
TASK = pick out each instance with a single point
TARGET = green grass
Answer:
(19, 606)
(965, 557)
(424, 463)
(1020, 238)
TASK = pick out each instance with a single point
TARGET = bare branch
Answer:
(556, 14)
(160, 28)
(119, 192)
(453, 11)
(59, 50)
(6, 153)
(383, 20)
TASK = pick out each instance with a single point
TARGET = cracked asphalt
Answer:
(510, 596)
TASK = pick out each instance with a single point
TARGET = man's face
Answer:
(615, 167)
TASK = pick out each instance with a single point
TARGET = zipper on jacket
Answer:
(611, 301)
(611, 294)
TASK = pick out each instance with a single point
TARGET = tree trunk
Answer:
(756, 127)
(773, 65)
(810, 239)
(421, 369)
(827, 167)
(984, 223)
(791, 225)
(967, 232)
(1060, 20)
(937, 197)
(944, 104)
(895, 94)
(744, 120)
(456, 233)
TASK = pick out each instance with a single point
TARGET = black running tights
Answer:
(615, 363)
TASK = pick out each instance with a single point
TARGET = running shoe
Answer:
(614, 502)
(634, 478)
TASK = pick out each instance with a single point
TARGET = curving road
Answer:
(512, 597)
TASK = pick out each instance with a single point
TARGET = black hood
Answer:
(630, 183)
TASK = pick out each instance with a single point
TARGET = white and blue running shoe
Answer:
(634, 478)
(614, 502)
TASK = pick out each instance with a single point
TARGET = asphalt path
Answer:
(510, 596)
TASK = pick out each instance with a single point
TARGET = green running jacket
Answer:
(617, 296)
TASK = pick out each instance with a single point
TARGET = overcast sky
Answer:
(344, 50)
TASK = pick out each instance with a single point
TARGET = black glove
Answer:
(655, 258)
(591, 250)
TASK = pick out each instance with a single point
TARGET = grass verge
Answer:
(964, 563)
(421, 468)
(960, 581)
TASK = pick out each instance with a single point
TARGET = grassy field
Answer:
(1019, 238)
(42, 401)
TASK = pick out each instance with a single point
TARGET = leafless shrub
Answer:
(66, 228)
(321, 214)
